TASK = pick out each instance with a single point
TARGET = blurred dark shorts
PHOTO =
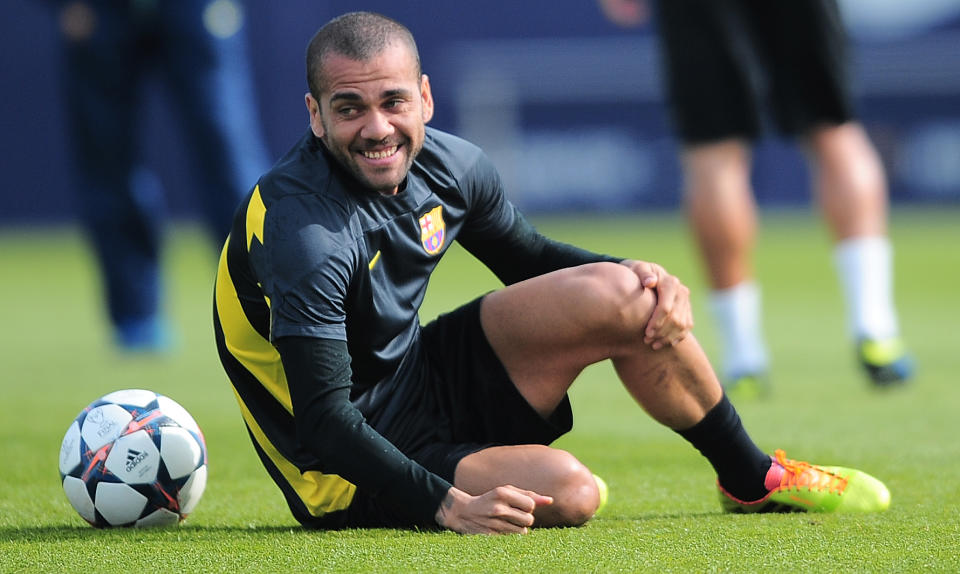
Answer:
(732, 66)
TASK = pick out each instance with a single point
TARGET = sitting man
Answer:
(365, 418)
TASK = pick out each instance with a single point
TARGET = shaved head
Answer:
(358, 36)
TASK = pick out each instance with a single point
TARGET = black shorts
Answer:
(456, 400)
(479, 405)
(729, 64)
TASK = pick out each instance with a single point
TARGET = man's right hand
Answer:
(503, 510)
(77, 21)
(626, 13)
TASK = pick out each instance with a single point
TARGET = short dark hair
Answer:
(357, 35)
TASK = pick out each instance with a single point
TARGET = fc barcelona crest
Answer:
(432, 230)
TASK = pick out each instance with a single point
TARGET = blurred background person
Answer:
(725, 64)
(198, 50)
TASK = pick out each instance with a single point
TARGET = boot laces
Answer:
(799, 474)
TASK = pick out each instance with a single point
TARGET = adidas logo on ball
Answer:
(134, 457)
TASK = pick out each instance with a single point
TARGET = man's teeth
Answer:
(380, 154)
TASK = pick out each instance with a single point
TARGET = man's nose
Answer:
(376, 127)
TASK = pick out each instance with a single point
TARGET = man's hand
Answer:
(503, 510)
(626, 13)
(77, 20)
(672, 318)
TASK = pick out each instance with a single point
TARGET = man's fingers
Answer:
(651, 276)
(502, 510)
(513, 509)
(672, 318)
(537, 498)
(647, 272)
(514, 516)
(542, 500)
(522, 499)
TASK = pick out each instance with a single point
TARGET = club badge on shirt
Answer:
(432, 230)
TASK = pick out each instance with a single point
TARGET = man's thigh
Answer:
(480, 404)
(546, 330)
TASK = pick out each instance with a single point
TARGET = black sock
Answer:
(741, 466)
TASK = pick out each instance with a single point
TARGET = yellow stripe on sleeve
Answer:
(256, 211)
(320, 493)
(254, 352)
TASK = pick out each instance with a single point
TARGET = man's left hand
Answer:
(672, 317)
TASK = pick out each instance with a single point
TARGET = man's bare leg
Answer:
(546, 331)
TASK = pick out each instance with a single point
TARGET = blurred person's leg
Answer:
(722, 212)
(851, 187)
(711, 77)
(120, 204)
(848, 177)
(208, 70)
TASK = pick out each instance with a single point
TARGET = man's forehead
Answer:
(385, 73)
(395, 55)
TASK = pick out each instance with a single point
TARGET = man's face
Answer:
(371, 115)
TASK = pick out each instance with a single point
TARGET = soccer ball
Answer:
(133, 458)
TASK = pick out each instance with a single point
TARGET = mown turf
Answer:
(662, 515)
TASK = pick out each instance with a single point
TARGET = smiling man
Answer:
(379, 148)
(365, 418)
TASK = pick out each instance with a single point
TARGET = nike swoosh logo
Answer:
(376, 258)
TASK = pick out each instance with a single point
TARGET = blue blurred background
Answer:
(568, 105)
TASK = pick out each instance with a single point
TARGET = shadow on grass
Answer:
(73, 532)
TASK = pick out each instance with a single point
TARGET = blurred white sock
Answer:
(737, 314)
(865, 268)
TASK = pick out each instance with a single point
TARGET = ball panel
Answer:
(172, 409)
(79, 498)
(70, 449)
(134, 458)
(192, 490)
(135, 397)
(159, 517)
(103, 424)
(118, 503)
(180, 451)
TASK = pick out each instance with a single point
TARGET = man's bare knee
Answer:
(620, 303)
(575, 494)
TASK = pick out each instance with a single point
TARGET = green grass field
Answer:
(663, 514)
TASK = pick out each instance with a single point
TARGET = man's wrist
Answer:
(443, 509)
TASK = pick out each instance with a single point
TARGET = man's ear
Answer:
(313, 108)
(427, 97)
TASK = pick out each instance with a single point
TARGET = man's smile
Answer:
(380, 154)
